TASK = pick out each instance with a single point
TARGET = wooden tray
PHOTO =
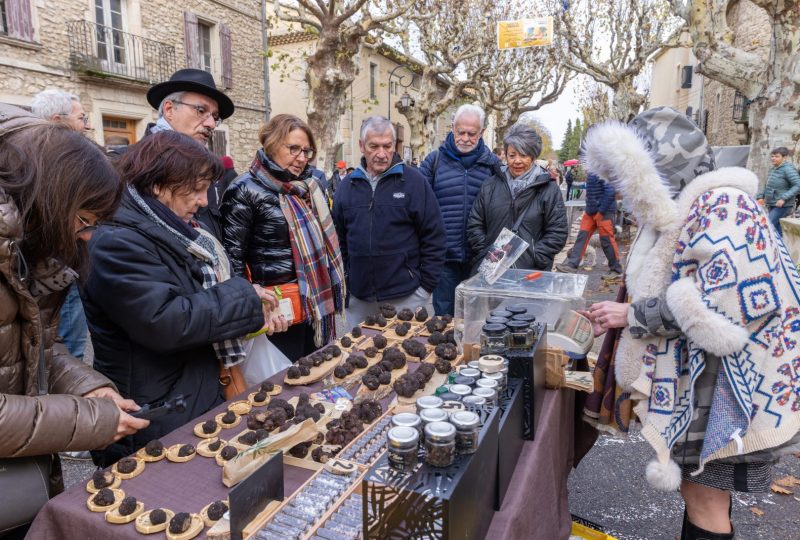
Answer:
(319, 372)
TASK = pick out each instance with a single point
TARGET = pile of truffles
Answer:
(414, 348)
(344, 429)
(407, 385)
(381, 373)
(387, 310)
(271, 419)
(304, 364)
(353, 362)
(306, 410)
(402, 329)
(154, 448)
(368, 410)
(180, 523)
(376, 320)
(436, 324)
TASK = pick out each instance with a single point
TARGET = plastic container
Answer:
(468, 427)
(440, 444)
(403, 443)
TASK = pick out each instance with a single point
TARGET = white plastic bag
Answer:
(263, 360)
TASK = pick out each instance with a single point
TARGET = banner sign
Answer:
(525, 33)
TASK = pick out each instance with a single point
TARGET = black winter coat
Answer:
(255, 231)
(153, 324)
(544, 225)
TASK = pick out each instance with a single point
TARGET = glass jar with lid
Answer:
(428, 402)
(486, 383)
(473, 402)
(468, 427)
(462, 379)
(517, 309)
(470, 372)
(440, 444)
(432, 415)
(460, 390)
(473, 364)
(403, 443)
(486, 393)
(496, 320)
(407, 420)
(520, 334)
(500, 377)
(528, 318)
(500, 312)
(494, 338)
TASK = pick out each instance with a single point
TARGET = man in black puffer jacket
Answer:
(389, 226)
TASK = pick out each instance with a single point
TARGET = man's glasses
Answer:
(201, 111)
(295, 149)
(85, 226)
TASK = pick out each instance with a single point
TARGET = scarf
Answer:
(315, 246)
(467, 159)
(522, 181)
(203, 247)
(160, 125)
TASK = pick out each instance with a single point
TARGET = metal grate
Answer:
(102, 50)
(741, 108)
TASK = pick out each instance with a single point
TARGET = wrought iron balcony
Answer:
(102, 51)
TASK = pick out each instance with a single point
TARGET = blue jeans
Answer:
(775, 215)
(444, 295)
(72, 323)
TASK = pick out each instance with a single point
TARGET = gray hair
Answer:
(470, 110)
(51, 102)
(175, 96)
(378, 125)
(524, 139)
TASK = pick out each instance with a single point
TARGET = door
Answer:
(118, 131)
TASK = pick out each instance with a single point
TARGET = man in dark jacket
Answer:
(389, 226)
(456, 172)
(190, 103)
(601, 207)
(781, 188)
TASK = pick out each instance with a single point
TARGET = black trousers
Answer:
(297, 341)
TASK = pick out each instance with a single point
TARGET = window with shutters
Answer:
(204, 43)
(16, 20)
(110, 30)
(373, 75)
(208, 47)
(3, 26)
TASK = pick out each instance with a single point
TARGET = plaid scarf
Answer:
(315, 247)
(209, 252)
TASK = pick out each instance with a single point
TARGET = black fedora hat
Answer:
(191, 80)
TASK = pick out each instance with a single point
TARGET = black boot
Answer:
(690, 531)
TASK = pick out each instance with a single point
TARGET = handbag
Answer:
(289, 301)
(232, 381)
(25, 481)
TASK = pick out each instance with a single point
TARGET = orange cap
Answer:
(341, 165)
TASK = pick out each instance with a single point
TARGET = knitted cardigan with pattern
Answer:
(732, 289)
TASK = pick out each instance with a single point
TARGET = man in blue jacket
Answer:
(389, 226)
(781, 188)
(601, 207)
(456, 172)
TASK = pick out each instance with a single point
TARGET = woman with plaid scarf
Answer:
(162, 308)
(278, 230)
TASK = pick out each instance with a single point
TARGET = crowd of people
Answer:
(169, 261)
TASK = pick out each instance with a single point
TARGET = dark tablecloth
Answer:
(535, 507)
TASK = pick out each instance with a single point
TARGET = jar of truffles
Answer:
(460, 390)
(516, 309)
(500, 312)
(473, 364)
(496, 320)
(403, 443)
(486, 383)
(440, 444)
(449, 396)
(473, 401)
(408, 420)
(486, 393)
(524, 317)
(494, 338)
(461, 379)
(467, 425)
(520, 334)
(470, 372)
(428, 402)
(500, 378)
(432, 415)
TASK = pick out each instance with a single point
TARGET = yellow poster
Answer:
(525, 33)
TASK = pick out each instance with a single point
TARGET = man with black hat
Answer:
(190, 103)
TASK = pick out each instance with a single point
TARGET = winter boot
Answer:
(690, 531)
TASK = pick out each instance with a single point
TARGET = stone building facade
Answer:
(109, 52)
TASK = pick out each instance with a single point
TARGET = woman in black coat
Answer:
(278, 230)
(524, 200)
(161, 312)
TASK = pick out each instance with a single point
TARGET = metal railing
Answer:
(101, 50)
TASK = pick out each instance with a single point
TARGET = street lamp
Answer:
(406, 100)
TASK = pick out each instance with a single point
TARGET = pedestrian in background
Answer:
(279, 231)
(599, 215)
(230, 173)
(456, 172)
(524, 200)
(781, 188)
(390, 228)
(338, 175)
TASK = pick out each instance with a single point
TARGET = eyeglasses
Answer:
(85, 226)
(295, 149)
(201, 111)
(83, 118)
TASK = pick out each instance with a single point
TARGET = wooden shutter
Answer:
(225, 51)
(192, 40)
(18, 18)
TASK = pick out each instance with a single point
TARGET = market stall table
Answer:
(535, 507)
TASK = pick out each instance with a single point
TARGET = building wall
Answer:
(27, 68)
(667, 78)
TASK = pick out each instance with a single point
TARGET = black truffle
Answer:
(293, 372)
(405, 314)
(334, 350)
(248, 437)
(261, 434)
(442, 365)
(228, 453)
(402, 329)
(101, 479)
(340, 372)
(305, 361)
(320, 408)
(436, 337)
(368, 410)
(104, 497)
(386, 365)
(216, 510)
(447, 318)
(370, 320)
(380, 320)
(356, 332)
(414, 348)
(435, 325)
(385, 377)
(128, 506)
(267, 386)
(406, 386)
(158, 516)
(214, 446)
(209, 426)
(304, 371)
(317, 359)
(228, 418)
(186, 450)
(280, 403)
(448, 351)
(387, 310)
(349, 367)
(299, 450)
(260, 397)
(427, 369)
(375, 370)
(421, 314)
(154, 448)
(126, 465)
(319, 455)
(180, 523)
(359, 361)
(450, 336)
(380, 341)
(371, 352)
(346, 342)
(370, 381)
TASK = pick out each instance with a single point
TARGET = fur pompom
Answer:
(615, 152)
(664, 476)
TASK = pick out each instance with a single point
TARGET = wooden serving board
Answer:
(317, 373)
(383, 390)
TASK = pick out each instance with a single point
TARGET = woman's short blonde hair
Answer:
(273, 133)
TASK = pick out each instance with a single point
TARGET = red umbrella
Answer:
(570, 162)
